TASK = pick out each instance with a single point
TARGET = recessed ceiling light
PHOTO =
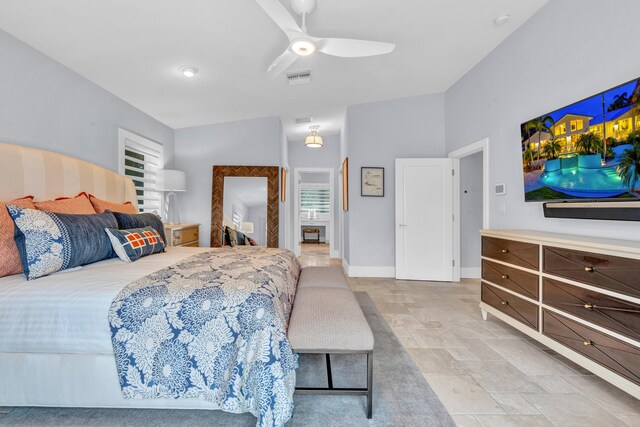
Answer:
(303, 47)
(502, 19)
(188, 71)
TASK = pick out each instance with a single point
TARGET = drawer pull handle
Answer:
(504, 276)
(504, 251)
(587, 343)
(589, 306)
(589, 269)
(504, 302)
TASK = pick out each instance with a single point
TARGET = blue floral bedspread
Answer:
(211, 327)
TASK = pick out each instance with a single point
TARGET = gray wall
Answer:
(470, 210)
(378, 133)
(198, 149)
(569, 50)
(326, 157)
(45, 105)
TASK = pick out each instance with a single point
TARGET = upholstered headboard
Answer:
(47, 175)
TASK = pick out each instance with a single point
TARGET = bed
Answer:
(58, 333)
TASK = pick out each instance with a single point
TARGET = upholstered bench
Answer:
(327, 319)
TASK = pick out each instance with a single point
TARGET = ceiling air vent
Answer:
(299, 77)
(302, 120)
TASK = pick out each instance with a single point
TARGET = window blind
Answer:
(141, 159)
(314, 201)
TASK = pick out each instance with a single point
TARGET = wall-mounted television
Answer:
(587, 150)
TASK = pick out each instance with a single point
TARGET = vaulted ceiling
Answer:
(135, 48)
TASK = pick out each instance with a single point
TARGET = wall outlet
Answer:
(502, 208)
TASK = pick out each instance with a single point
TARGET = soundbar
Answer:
(601, 210)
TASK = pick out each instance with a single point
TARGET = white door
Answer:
(424, 219)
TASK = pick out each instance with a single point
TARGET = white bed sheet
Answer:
(67, 312)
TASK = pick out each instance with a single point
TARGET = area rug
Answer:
(402, 397)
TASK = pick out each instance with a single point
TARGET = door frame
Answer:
(477, 147)
(296, 208)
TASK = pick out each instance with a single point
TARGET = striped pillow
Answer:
(9, 255)
(66, 205)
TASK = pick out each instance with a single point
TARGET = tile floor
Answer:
(486, 373)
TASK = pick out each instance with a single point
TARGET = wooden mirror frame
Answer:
(273, 205)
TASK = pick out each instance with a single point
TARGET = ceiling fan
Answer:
(302, 44)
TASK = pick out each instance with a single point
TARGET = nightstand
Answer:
(182, 234)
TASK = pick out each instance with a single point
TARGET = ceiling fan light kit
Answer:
(302, 44)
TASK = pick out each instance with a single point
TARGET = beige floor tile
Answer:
(513, 421)
(435, 338)
(462, 354)
(461, 394)
(514, 404)
(465, 421)
(480, 349)
(468, 330)
(630, 420)
(606, 395)
(554, 384)
(572, 410)
(436, 361)
(528, 358)
(501, 377)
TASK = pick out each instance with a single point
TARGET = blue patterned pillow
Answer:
(50, 242)
(129, 221)
(131, 245)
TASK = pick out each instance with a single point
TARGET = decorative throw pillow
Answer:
(9, 255)
(103, 205)
(50, 242)
(131, 245)
(241, 238)
(233, 237)
(251, 241)
(66, 205)
(129, 221)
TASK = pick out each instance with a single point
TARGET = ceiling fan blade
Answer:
(281, 17)
(281, 63)
(351, 48)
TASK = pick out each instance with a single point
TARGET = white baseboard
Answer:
(371, 271)
(345, 267)
(470, 272)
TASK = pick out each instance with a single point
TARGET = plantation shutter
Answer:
(141, 159)
(314, 201)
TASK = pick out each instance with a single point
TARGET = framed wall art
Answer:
(372, 182)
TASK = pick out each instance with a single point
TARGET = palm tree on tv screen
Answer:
(619, 101)
(629, 166)
(540, 124)
(552, 148)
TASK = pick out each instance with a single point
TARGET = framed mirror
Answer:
(245, 198)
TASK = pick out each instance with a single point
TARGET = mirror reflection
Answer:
(244, 211)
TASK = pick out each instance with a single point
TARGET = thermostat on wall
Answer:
(500, 189)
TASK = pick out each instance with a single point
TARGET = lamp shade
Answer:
(171, 180)
(313, 141)
(246, 227)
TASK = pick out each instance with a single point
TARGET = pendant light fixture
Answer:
(313, 140)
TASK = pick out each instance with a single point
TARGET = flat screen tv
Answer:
(586, 150)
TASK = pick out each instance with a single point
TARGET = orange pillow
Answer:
(9, 255)
(65, 205)
(102, 205)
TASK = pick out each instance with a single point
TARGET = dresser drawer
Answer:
(521, 310)
(603, 310)
(608, 272)
(616, 355)
(518, 253)
(511, 278)
(188, 235)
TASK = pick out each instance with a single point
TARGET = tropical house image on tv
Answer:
(590, 149)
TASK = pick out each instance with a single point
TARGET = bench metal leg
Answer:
(368, 391)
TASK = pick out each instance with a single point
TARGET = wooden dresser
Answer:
(182, 234)
(580, 296)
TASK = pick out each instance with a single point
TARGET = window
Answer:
(315, 200)
(576, 125)
(236, 217)
(141, 158)
(561, 129)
